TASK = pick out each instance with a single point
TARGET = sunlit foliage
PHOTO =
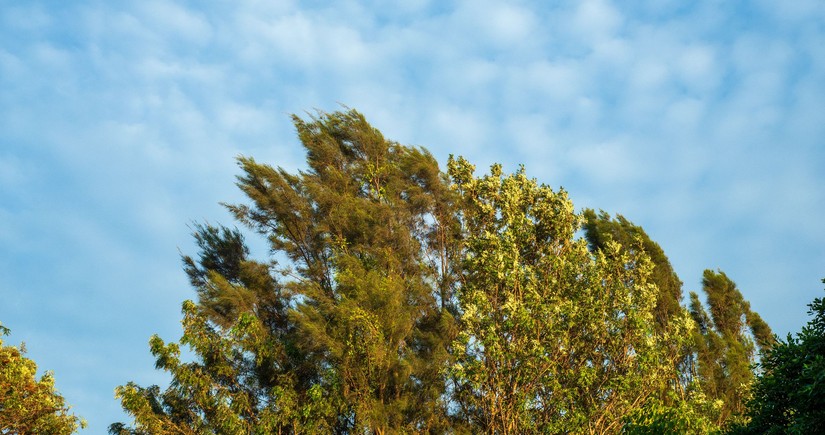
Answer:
(29, 405)
(410, 300)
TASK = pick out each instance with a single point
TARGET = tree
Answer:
(29, 405)
(789, 394)
(554, 338)
(351, 334)
(407, 300)
(726, 341)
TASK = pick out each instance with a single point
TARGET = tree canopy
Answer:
(726, 344)
(553, 337)
(402, 299)
(29, 405)
(789, 394)
(600, 229)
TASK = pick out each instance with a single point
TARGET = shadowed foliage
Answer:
(789, 394)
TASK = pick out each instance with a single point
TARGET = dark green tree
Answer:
(715, 368)
(789, 394)
(680, 406)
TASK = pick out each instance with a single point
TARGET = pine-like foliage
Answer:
(599, 229)
(351, 335)
(681, 406)
(727, 341)
(717, 363)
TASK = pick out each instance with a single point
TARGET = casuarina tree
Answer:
(727, 342)
(350, 334)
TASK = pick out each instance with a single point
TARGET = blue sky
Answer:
(703, 122)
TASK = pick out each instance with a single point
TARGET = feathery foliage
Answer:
(727, 341)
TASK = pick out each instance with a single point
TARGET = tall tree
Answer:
(29, 405)
(554, 338)
(789, 394)
(727, 341)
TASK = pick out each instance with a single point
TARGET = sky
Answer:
(703, 122)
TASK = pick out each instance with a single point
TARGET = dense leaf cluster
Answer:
(789, 396)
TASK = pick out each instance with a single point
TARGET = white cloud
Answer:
(501, 25)
(596, 20)
(561, 81)
(794, 12)
(28, 18)
(697, 67)
(461, 129)
(305, 41)
(175, 22)
(649, 75)
(154, 69)
(13, 172)
(511, 24)
(50, 56)
(10, 65)
(236, 117)
(612, 52)
(608, 163)
(684, 117)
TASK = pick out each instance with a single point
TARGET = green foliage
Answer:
(29, 405)
(352, 334)
(223, 393)
(789, 395)
(553, 338)
(716, 364)
(725, 350)
(600, 229)
(677, 415)
(410, 300)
